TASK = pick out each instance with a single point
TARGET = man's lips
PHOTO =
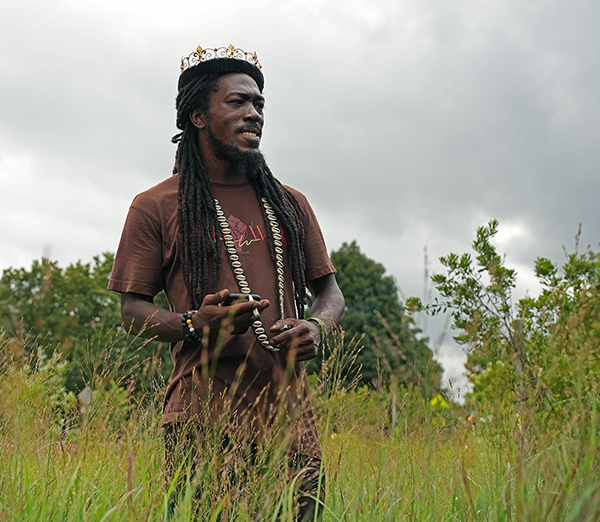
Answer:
(250, 132)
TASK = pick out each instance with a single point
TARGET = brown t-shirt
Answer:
(246, 378)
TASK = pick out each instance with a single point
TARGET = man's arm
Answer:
(142, 317)
(305, 336)
(328, 304)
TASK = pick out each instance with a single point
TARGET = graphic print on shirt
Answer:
(244, 235)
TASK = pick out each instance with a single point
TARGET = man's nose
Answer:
(252, 113)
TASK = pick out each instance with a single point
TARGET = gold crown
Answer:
(203, 55)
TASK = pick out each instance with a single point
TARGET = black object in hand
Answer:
(232, 298)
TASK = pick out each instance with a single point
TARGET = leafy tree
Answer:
(72, 310)
(391, 343)
(539, 355)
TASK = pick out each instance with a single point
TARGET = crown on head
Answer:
(203, 55)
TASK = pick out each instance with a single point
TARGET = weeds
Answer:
(107, 462)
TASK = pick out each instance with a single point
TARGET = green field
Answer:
(58, 462)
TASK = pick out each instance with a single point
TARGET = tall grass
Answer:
(62, 459)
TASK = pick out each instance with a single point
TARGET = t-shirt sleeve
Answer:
(318, 263)
(139, 259)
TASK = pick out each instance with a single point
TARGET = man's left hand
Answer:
(304, 337)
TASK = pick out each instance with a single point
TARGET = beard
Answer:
(251, 162)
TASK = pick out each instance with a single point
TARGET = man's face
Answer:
(234, 120)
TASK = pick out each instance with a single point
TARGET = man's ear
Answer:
(198, 119)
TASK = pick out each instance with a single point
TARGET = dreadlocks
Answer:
(197, 218)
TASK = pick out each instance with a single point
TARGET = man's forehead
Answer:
(238, 82)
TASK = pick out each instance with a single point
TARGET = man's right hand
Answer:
(239, 315)
(141, 316)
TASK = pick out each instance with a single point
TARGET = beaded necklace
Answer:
(236, 265)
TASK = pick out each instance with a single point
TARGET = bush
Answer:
(537, 361)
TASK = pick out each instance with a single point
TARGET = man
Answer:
(223, 224)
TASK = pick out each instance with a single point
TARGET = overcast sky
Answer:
(407, 123)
